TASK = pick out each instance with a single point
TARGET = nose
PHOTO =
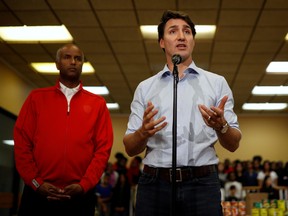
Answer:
(181, 35)
(73, 61)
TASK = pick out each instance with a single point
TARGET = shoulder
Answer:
(150, 80)
(92, 96)
(40, 92)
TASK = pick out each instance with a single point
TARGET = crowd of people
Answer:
(115, 190)
(264, 175)
(119, 179)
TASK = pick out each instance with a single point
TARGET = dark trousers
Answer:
(33, 204)
(195, 197)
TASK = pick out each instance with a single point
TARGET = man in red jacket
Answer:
(63, 138)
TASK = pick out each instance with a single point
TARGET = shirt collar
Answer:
(64, 88)
(191, 69)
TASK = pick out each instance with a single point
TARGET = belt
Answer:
(182, 173)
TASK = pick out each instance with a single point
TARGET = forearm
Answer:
(230, 140)
(135, 143)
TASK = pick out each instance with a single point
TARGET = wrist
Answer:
(224, 128)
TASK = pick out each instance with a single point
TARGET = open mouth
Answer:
(181, 46)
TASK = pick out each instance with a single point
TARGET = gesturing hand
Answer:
(149, 125)
(214, 117)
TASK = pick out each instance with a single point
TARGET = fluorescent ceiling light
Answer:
(277, 67)
(50, 67)
(99, 90)
(264, 106)
(205, 31)
(270, 90)
(8, 142)
(202, 31)
(35, 34)
(112, 106)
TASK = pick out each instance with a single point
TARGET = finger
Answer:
(223, 102)
(158, 128)
(147, 113)
(158, 121)
(205, 112)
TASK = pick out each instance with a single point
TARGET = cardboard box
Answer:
(251, 198)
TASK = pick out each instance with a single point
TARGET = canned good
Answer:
(263, 212)
(272, 212)
(280, 212)
(281, 204)
(255, 212)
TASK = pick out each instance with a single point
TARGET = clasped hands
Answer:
(54, 193)
(213, 117)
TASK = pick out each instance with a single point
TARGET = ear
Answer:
(57, 65)
(161, 43)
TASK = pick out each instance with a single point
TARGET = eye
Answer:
(187, 32)
(66, 56)
(78, 58)
(172, 32)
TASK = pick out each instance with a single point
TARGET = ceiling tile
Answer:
(273, 18)
(95, 47)
(280, 4)
(149, 17)
(8, 19)
(37, 17)
(269, 33)
(238, 17)
(241, 4)
(123, 34)
(203, 4)
(152, 4)
(17, 5)
(122, 18)
(69, 5)
(263, 46)
(128, 47)
(112, 4)
(233, 33)
(87, 34)
(203, 17)
(77, 18)
(132, 58)
(229, 47)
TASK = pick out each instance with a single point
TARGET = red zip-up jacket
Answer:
(61, 147)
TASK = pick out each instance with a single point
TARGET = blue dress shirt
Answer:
(195, 140)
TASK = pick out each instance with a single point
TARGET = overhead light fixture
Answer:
(264, 106)
(99, 90)
(270, 90)
(202, 31)
(8, 142)
(35, 34)
(286, 38)
(277, 67)
(50, 67)
(112, 106)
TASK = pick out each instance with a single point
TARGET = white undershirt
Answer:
(69, 93)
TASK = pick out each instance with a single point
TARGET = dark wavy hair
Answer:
(169, 14)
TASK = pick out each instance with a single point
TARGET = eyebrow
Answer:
(176, 26)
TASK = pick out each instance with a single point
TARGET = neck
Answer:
(181, 67)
